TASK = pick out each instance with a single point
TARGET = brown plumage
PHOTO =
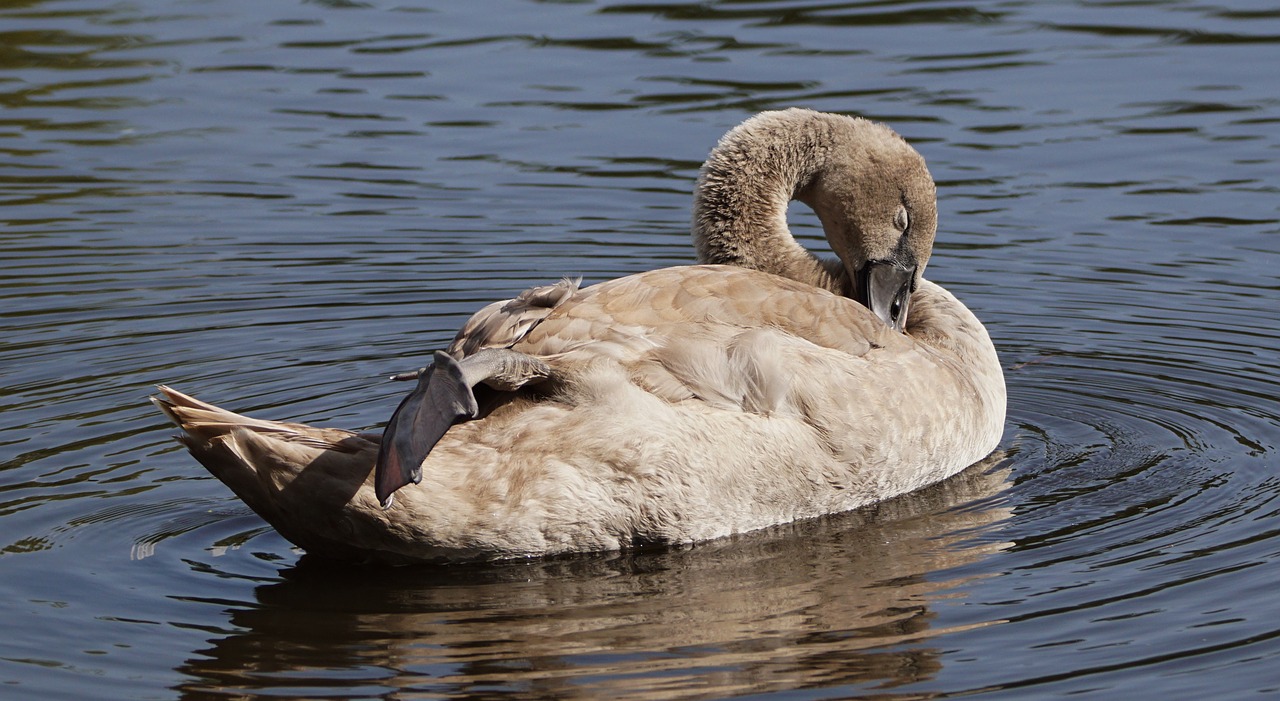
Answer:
(676, 405)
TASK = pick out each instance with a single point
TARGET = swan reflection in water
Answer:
(842, 600)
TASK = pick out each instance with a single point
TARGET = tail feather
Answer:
(300, 478)
(204, 423)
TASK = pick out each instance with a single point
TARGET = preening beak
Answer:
(885, 288)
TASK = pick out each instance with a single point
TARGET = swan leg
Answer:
(442, 397)
(502, 369)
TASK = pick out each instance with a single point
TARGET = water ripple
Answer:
(275, 206)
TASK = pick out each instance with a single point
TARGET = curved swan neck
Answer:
(870, 189)
(740, 204)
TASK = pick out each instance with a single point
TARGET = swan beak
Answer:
(441, 397)
(884, 287)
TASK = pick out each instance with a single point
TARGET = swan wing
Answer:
(668, 328)
(502, 324)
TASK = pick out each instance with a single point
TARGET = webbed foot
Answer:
(443, 397)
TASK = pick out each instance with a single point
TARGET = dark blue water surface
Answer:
(273, 205)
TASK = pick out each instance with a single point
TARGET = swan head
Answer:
(868, 186)
(878, 206)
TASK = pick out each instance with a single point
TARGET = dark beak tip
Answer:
(884, 287)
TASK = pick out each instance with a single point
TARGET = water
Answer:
(272, 205)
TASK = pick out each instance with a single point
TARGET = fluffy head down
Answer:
(868, 186)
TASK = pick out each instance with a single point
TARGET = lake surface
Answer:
(274, 205)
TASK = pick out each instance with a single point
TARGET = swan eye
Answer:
(901, 220)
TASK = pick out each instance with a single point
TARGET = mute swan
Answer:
(672, 406)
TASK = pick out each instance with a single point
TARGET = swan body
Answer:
(672, 406)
